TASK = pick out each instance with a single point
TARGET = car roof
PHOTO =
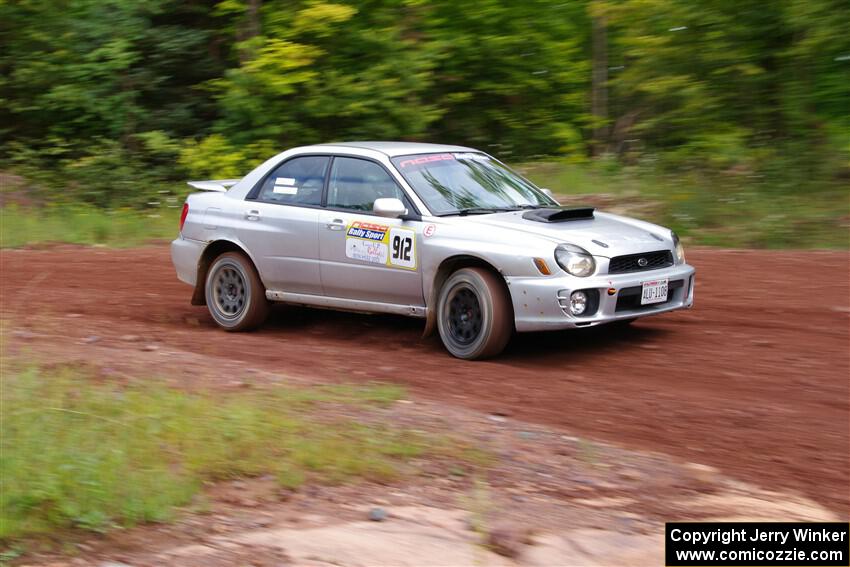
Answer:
(393, 149)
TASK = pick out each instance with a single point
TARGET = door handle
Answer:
(252, 215)
(335, 224)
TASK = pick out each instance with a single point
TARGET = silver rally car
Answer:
(445, 233)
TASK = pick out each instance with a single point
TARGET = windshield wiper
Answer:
(530, 206)
(478, 211)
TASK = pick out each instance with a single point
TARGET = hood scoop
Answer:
(559, 215)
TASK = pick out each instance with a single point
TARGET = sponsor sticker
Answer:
(471, 155)
(429, 230)
(284, 186)
(367, 231)
(366, 250)
(426, 159)
(380, 244)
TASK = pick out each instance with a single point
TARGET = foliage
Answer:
(734, 83)
(112, 102)
(217, 157)
(81, 452)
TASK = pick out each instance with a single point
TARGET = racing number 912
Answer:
(402, 245)
(402, 248)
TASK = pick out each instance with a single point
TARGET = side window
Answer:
(356, 183)
(298, 181)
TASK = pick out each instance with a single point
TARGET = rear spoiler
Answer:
(218, 185)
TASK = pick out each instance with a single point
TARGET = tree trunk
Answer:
(254, 18)
(250, 28)
(599, 88)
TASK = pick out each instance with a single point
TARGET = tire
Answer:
(235, 295)
(474, 314)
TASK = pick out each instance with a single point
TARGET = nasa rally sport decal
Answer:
(381, 244)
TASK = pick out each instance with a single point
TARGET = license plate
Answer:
(654, 292)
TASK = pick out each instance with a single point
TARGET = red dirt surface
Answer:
(754, 380)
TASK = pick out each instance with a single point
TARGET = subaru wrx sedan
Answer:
(445, 233)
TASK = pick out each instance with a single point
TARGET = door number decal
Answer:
(403, 248)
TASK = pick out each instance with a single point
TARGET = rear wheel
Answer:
(474, 315)
(235, 295)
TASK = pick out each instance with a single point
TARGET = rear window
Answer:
(298, 181)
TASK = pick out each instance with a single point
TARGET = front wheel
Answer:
(474, 314)
(235, 295)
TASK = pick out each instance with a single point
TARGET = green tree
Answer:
(75, 70)
(323, 71)
(725, 84)
(513, 77)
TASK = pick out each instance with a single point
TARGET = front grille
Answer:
(633, 263)
(628, 298)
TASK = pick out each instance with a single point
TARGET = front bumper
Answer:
(537, 306)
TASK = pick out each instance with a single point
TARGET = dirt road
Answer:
(755, 380)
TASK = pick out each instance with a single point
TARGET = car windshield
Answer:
(468, 183)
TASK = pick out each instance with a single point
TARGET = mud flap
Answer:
(198, 296)
(430, 323)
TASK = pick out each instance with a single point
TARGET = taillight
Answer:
(183, 215)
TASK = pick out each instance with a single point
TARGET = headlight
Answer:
(680, 250)
(576, 261)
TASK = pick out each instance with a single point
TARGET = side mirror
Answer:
(389, 207)
(548, 192)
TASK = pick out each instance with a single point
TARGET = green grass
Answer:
(81, 224)
(78, 452)
(721, 210)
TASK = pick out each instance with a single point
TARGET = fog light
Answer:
(578, 302)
